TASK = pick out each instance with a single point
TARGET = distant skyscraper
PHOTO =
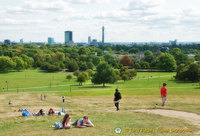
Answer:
(68, 37)
(21, 41)
(7, 41)
(89, 40)
(50, 40)
(103, 34)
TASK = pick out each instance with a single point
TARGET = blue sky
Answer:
(124, 21)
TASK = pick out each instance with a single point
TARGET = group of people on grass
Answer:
(50, 112)
(80, 123)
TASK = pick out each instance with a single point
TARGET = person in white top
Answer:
(66, 121)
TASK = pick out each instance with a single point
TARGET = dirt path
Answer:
(191, 117)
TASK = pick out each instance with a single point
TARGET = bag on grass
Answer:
(26, 113)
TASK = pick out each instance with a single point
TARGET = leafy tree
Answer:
(90, 65)
(83, 50)
(175, 51)
(69, 77)
(133, 50)
(133, 73)
(117, 72)
(72, 65)
(76, 73)
(90, 72)
(81, 78)
(82, 66)
(125, 77)
(104, 74)
(166, 62)
(96, 60)
(197, 57)
(6, 64)
(144, 65)
(19, 63)
(110, 59)
(126, 61)
(137, 65)
(28, 61)
(188, 73)
(148, 56)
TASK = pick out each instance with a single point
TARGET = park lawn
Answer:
(100, 110)
(95, 101)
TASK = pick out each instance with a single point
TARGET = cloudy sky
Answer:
(124, 20)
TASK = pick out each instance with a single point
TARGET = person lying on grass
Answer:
(66, 122)
(84, 122)
(51, 112)
(40, 113)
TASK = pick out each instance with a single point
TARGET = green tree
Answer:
(90, 65)
(104, 74)
(28, 61)
(148, 56)
(19, 63)
(125, 77)
(6, 64)
(133, 50)
(166, 62)
(81, 78)
(76, 73)
(72, 65)
(69, 77)
(188, 73)
(110, 59)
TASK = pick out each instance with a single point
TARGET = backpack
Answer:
(120, 96)
(26, 113)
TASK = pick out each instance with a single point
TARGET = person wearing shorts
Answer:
(163, 92)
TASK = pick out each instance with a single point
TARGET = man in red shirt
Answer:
(163, 92)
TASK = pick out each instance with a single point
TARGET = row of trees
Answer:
(104, 74)
(16, 63)
(188, 73)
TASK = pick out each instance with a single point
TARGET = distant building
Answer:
(103, 34)
(51, 40)
(173, 42)
(89, 40)
(94, 42)
(7, 41)
(68, 37)
(21, 41)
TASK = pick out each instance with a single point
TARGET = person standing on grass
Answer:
(63, 99)
(117, 98)
(44, 97)
(41, 97)
(163, 92)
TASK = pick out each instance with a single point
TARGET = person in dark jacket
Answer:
(117, 98)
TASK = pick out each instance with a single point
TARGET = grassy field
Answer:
(25, 88)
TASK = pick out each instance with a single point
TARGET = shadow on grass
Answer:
(94, 86)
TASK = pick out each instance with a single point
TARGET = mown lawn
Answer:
(95, 101)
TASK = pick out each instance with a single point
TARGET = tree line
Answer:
(51, 58)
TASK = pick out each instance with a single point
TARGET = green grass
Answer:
(95, 101)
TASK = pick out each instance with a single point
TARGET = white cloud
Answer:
(41, 7)
(20, 22)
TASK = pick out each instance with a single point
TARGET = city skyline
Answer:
(130, 21)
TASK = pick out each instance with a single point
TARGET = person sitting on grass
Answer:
(84, 122)
(51, 112)
(66, 122)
